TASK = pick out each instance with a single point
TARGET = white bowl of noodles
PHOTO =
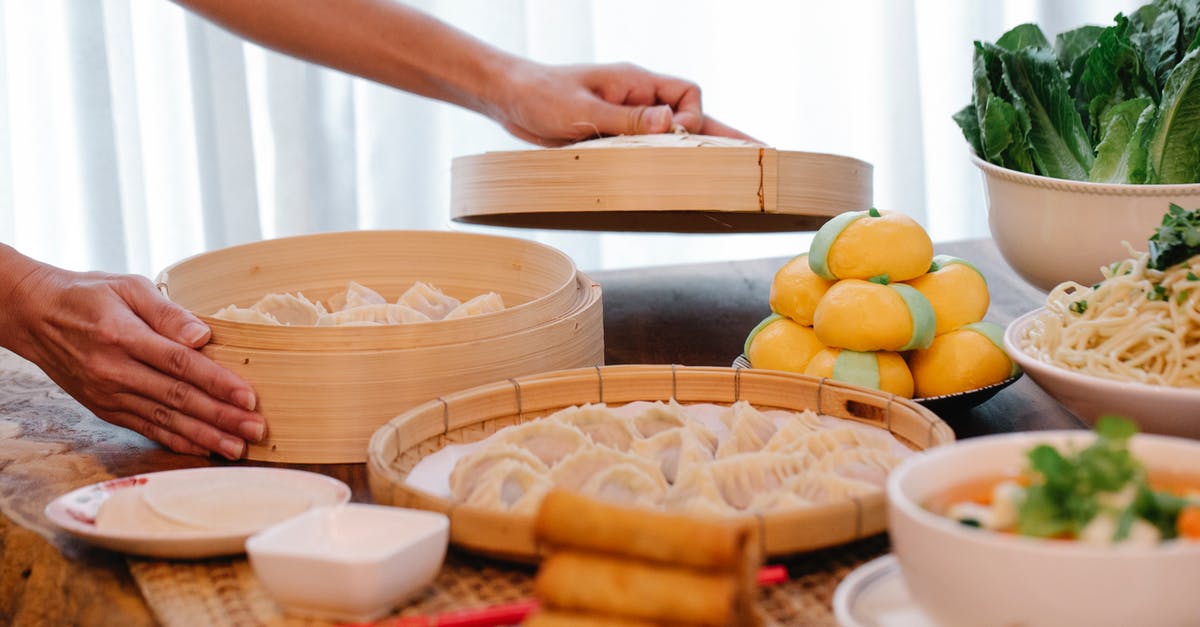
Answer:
(1128, 346)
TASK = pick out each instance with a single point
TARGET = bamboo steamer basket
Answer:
(324, 390)
(709, 189)
(472, 415)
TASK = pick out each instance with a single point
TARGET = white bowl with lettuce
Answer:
(1084, 143)
(1054, 528)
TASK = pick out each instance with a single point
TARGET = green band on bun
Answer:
(994, 333)
(941, 261)
(753, 332)
(857, 368)
(818, 253)
(924, 323)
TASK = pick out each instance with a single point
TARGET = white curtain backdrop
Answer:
(134, 134)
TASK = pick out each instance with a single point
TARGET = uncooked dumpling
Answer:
(484, 303)
(290, 309)
(385, 313)
(548, 440)
(863, 464)
(428, 300)
(234, 313)
(740, 478)
(659, 417)
(673, 450)
(472, 467)
(822, 443)
(696, 492)
(509, 486)
(604, 426)
(749, 430)
(575, 469)
(826, 487)
(793, 430)
(626, 484)
(356, 295)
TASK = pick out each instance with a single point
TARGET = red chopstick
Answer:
(514, 613)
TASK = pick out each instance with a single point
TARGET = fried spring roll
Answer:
(592, 583)
(554, 618)
(569, 520)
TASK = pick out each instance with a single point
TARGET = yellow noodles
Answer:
(1139, 324)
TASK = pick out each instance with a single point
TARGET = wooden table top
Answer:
(692, 314)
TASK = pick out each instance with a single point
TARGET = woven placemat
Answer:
(224, 592)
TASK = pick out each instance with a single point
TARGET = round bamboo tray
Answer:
(324, 390)
(471, 415)
(711, 189)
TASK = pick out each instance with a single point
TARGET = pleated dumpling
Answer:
(509, 486)
(484, 303)
(675, 449)
(548, 440)
(626, 484)
(356, 295)
(696, 492)
(741, 478)
(575, 469)
(290, 309)
(749, 430)
(385, 313)
(601, 424)
(428, 300)
(658, 417)
(821, 443)
(793, 429)
(233, 313)
(475, 465)
(778, 500)
(826, 487)
(863, 464)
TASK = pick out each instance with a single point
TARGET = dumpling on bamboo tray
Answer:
(694, 459)
(360, 305)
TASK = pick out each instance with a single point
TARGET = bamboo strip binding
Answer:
(685, 190)
(472, 415)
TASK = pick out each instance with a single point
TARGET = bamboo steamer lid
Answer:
(667, 183)
(472, 415)
(324, 390)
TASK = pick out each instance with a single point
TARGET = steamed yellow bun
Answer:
(885, 371)
(965, 359)
(864, 316)
(867, 244)
(796, 290)
(957, 291)
(779, 343)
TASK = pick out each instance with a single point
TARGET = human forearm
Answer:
(15, 271)
(381, 40)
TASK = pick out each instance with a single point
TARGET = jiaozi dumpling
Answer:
(290, 309)
(741, 478)
(428, 300)
(509, 486)
(696, 492)
(356, 295)
(794, 428)
(826, 487)
(674, 450)
(484, 303)
(234, 313)
(625, 484)
(575, 469)
(549, 440)
(749, 430)
(864, 464)
(473, 466)
(821, 443)
(659, 417)
(386, 313)
(601, 424)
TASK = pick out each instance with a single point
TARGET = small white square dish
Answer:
(352, 562)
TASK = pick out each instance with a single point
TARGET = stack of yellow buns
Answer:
(870, 304)
(615, 566)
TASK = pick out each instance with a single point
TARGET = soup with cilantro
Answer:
(1098, 494)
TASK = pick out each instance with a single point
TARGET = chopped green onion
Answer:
(1079, 307)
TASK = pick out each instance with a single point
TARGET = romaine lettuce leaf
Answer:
(1174, 149)
(1060, 144)
(1023, 36)
(1122, 152)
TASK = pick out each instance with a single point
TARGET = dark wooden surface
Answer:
(692, 315)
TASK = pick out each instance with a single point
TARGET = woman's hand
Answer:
(129, 355)
(556, 105)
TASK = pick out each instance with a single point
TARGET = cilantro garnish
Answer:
(1158, 293)
(1176, 239)
(1079, 307)
(1191, 276)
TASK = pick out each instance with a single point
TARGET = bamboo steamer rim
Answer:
(709, 189)
(541, 309)
(471, 415)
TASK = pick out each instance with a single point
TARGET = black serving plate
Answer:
(959, 401)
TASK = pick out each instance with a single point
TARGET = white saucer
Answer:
(76, 512)
(874, 595)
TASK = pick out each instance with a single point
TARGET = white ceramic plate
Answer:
(1155, 408)
(874, 595)
(76, 512)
